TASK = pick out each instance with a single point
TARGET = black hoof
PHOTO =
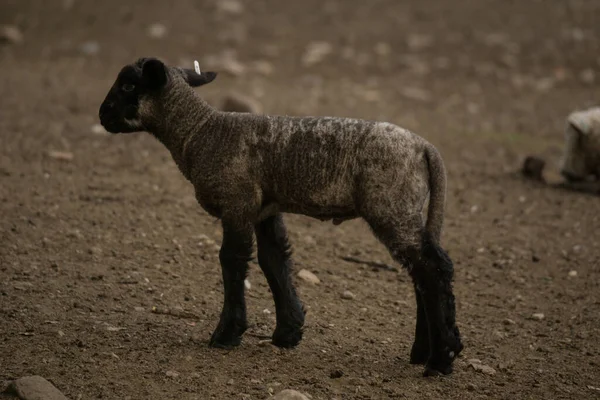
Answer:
(226, 339)
(433, 370)
(287, 338)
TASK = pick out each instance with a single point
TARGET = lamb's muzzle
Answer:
(249, 169)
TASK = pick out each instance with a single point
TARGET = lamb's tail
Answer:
(437, 193)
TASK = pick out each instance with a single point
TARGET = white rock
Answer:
(289, 394)
(157, 31)
(348, 295)
(172, 374)
(308, 276)
(484, 369)
(90, 48)
(247, 284)
(98, 129)
(316, 52)
(573, 273)
(538, 316)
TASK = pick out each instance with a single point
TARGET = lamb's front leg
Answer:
(274, 258)
(236, 252)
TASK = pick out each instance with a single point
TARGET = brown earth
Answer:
(89, 247)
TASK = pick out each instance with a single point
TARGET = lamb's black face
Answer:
(121, 110)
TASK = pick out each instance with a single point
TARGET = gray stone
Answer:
(35, 388)
(289, 394)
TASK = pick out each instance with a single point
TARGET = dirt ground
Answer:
(109, 278)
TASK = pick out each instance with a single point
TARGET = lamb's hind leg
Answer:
(437, 341)
(236, 252)
(274, 258)
(432, 274)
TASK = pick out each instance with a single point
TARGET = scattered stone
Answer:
(415, 93)
(35, 388)
(308, 276)
(316, 52)
(266, 311)
(348, 295)
(289, 394)
(533, 167)
(236, 102)
(471, 387)
(139, 309)
(508, 321)
(479, 367)
(10, 34)
(98, 129)
(247, 284)
(230, 382)
(90, 48)
(230, 6)
(61, 155)
(572, 274)
(336, 373)
(172, 374)
(157, 31)
(538, 316)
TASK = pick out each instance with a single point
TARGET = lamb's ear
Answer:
(194, 79)
(154, 73)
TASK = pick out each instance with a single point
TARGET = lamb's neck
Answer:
(183, 114)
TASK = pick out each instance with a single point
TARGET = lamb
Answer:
(580, 163)
(248, 169)
(582, 145)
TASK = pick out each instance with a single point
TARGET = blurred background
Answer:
(99, 232)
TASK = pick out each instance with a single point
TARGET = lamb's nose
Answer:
(105, 107)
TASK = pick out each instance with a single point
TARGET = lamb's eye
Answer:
(128, 87)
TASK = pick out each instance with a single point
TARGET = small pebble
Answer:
(90, 48)
(538, 316)
(247, 284)
(308, 276)
(508, 321)
(61, 155)
(348, 295)
(315, 53)
(289, 394)
(172, 374)
(157, 31)
(98, 129)
(572, 273)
